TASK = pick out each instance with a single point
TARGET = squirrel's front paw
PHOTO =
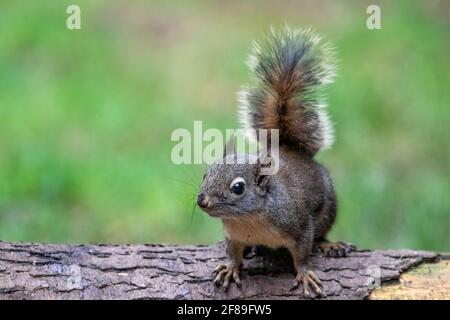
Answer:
(224, 275)
(309, 281)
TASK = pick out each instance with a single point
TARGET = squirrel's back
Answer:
(290, 69)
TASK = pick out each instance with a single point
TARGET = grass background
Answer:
(86, 116)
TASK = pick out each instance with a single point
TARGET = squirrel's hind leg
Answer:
(333, 249)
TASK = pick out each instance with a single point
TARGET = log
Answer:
(155, 271)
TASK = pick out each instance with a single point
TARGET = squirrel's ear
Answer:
(261, 180)
(229, 148)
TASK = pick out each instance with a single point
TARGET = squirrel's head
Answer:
(232, 189)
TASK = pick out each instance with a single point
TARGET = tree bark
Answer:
(59, 271)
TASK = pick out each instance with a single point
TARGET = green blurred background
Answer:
(86, 116)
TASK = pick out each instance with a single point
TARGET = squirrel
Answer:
(296, 207)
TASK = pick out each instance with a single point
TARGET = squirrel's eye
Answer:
(238, 186)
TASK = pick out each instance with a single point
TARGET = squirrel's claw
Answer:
(309, 281)
(225, 274)
(219, 268)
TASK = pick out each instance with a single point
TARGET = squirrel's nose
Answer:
(202, 200)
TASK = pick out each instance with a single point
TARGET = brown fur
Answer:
(256, 230)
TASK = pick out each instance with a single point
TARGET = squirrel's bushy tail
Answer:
(290, 68)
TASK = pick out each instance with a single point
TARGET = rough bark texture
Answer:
(58, 271)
